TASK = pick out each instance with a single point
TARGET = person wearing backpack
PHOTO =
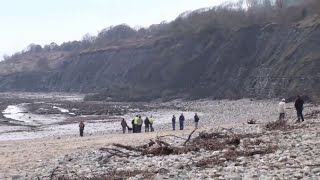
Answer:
(196, 120)
(81, 128)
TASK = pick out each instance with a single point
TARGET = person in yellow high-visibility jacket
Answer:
(151, 123)
(135, 124)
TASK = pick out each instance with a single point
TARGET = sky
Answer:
(44, 21)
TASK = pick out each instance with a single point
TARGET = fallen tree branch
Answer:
(130, 148)
(160, 143)
(151, 143)
(313, 165)
(189, 137)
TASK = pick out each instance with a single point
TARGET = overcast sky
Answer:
(44, 21)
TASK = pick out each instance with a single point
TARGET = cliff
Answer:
(259, 60)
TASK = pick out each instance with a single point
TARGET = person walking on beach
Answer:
(81, 128)
(124, 125)
(196, 120)
(135, 124)
(140, 122)
(146, 124)
(151, 123)
(173, 122)
(298, 104)
(181, 121)
(281, 108)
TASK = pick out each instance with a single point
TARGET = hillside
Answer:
(207, 53)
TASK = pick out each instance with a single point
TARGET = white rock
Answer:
(283, 159)
(215, 153)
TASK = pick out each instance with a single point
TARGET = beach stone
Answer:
(215, 153)
(204, 176)
(198, 155)
(163, 170)
(283, 159)
(179, 166)
(233, 177)
(247, 176)
(307, 169)
(215, 175)
(298, 175)
(279, 152)
(239, 159)
(293, 155)
(139, 176)
(174, 173)
(240, 170)
(15, 177)
(315, 170)
(225, 150)
(158, 177)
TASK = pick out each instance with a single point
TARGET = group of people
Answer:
(181, 121)
(298, 104)
(137, 123)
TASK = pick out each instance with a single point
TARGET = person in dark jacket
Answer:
(146, 124)
(124, 126)
(181, 121)
(81, 128)
(298, 104)
(133, 127)
(173, 122)
(196, 120)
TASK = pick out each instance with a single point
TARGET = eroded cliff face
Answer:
(261, 61)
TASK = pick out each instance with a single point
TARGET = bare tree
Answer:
(6, 57)
(88, 38)
(281, 3)
(252, 3)
(267, 4)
